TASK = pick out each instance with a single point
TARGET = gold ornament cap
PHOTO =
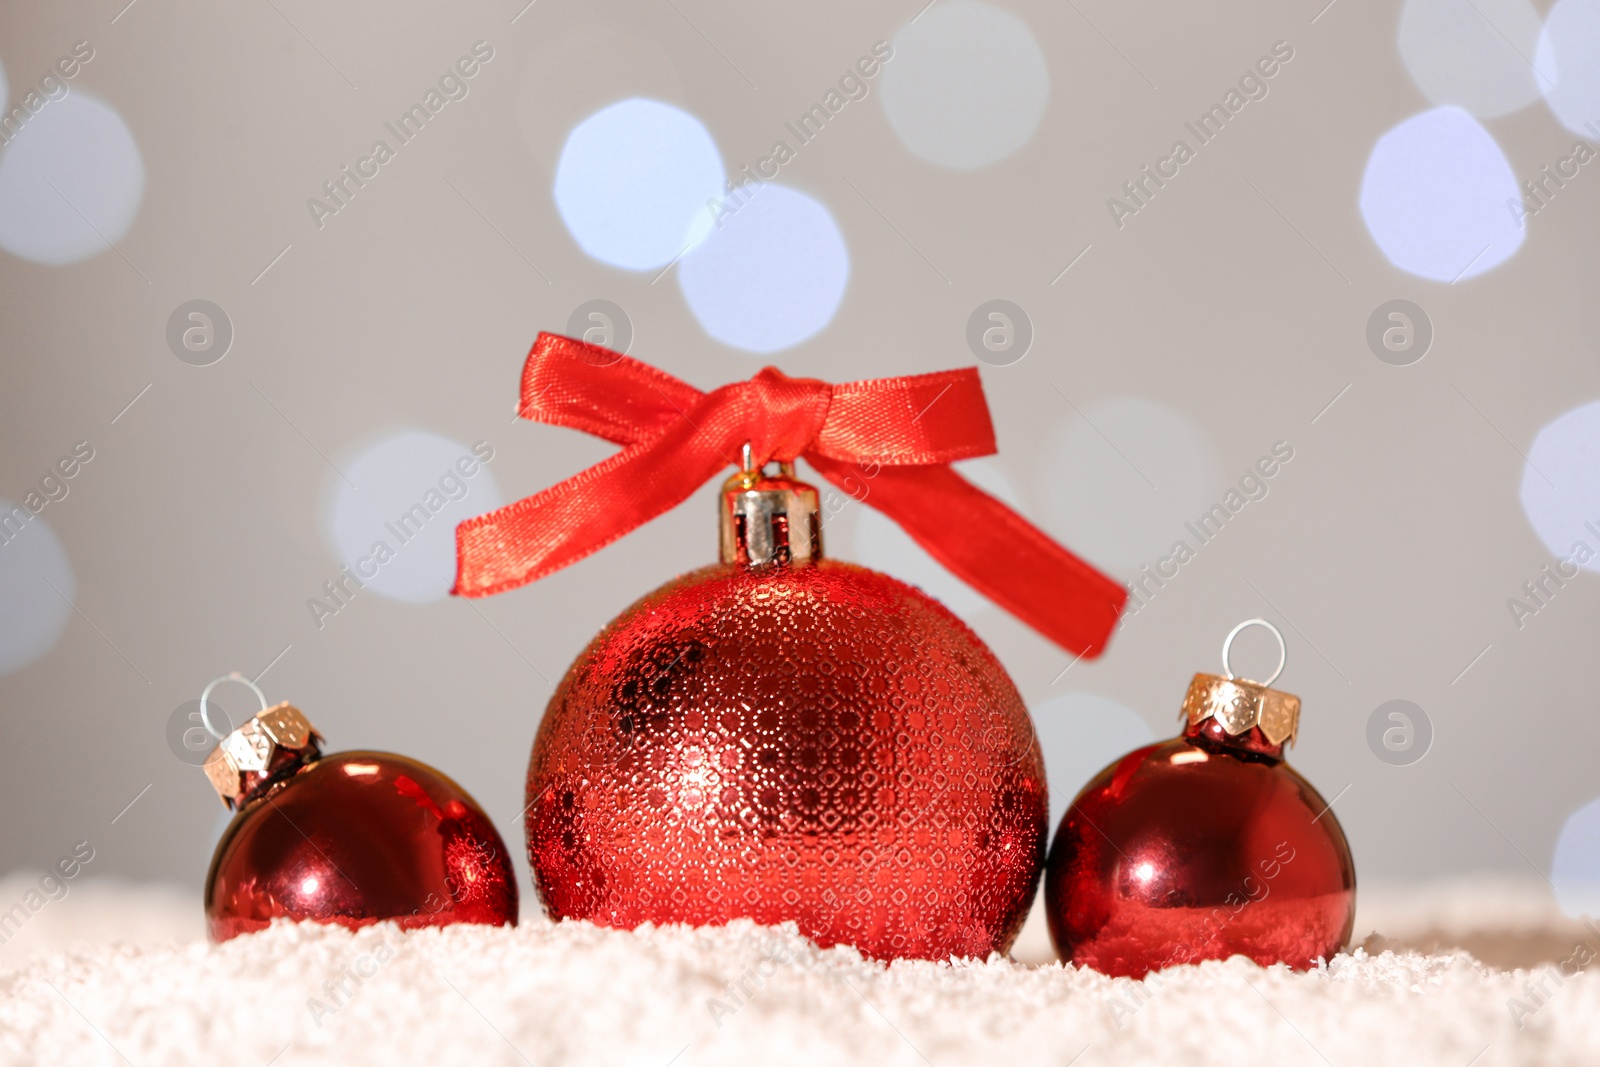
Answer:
(769, 519)
(269, 746)
(1239, 704)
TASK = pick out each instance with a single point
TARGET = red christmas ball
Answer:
(787, 738)
(353, 838)
(1202, 847)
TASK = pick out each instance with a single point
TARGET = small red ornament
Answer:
(778, 736)
(353, 838)
(1203, 847)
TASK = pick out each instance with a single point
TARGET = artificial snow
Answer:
(573, 993)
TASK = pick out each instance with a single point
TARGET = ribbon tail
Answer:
(541, 534)
(993, 549)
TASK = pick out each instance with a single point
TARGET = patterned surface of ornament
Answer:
(822, 744)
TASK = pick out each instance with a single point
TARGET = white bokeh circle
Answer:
(634, 183)
(1080, 734)
(771, 274)
(1117, 479)
(1568, 59)
(1435, 197)
(70, 182)
(881, 544)
(1472, 53)
(1575, 868)
(403, 472)
(36, 588)
(1561, 485)
(966, 85)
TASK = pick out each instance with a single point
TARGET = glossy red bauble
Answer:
(356, 838)
(1199, 848)
(816, 743)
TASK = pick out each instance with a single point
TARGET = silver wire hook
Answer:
(231, 676)
(1227, 647)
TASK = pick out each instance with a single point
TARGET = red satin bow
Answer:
(889, 442)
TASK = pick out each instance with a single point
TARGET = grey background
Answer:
(1387, 548)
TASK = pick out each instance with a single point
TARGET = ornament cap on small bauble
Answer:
(269, 747)
(1239, 712)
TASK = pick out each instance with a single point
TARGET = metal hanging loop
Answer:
(1227, 648)
(205, 711)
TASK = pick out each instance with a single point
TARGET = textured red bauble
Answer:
(1202, 847)
(354, 838)
(785, 738)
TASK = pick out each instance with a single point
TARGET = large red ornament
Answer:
(1203, 847)
(779, 737)
(791, 739)
(352, 838)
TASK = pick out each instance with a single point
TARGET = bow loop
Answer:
(601, 392)
(888, 442)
